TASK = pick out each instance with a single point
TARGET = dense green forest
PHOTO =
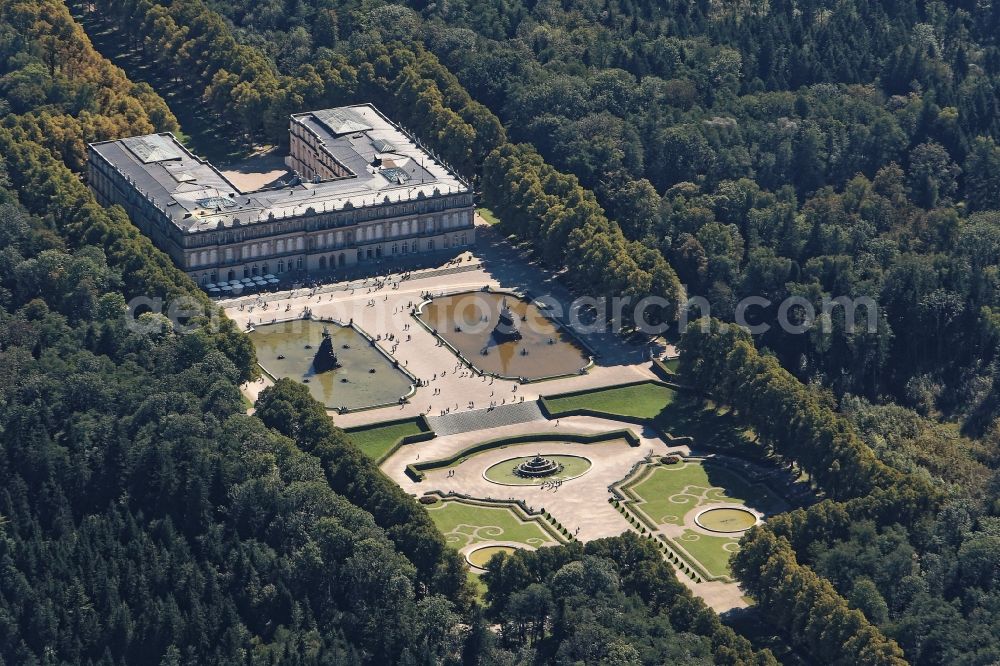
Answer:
(810, 149)
(775, 149)
(145, 518)
(761, 148)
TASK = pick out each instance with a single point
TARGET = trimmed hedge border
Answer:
(661, 370)
(549, 525)
(675, 554)
(416, 470)
(550, 414)
(625, 500)
(425, 434)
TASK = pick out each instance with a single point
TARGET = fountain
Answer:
(537, 467)
(506, 328)
(281, 351)
(486, 326)
(325, 360)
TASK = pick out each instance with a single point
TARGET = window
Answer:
(281, 266)
(406, 247)
(255, 271)
(298, 263)
(322, 263)
(430, 245)
(246, 272)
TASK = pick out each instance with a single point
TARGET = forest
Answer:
(145, 518)
(776, 149)
(759, 149)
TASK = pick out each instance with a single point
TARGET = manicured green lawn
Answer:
(712, 552)
(670, 491)
(464, 524)
(488, 215)
(376, 442)
(503, 472)
(644, 401)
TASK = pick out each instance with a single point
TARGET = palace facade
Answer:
(361, 190)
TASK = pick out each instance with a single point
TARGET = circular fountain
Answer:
(726, 519)
(537, 468)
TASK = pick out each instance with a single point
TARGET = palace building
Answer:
(360, 190)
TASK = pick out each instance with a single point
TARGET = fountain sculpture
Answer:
(325, 360)
(537, 467)
(506, 328)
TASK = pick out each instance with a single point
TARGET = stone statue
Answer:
(325, 360)
(506, 328)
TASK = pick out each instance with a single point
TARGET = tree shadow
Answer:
(707, 425)
(511, 268)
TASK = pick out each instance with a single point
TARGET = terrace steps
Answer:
(483, 419)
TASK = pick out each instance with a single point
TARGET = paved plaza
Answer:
(385, 312)
(580, 504)
(465, 409)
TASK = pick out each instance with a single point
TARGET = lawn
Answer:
(644, 401)
(377, 442)
(488, 215)
(712, 552)
(679, 413)
(503, 472)
(670, 491)
(464, 524)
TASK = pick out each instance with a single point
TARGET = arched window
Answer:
(342, 260)
(255, 272)
(322, 263)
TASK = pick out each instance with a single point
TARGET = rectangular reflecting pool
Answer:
(466, 321)
(287, 349)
